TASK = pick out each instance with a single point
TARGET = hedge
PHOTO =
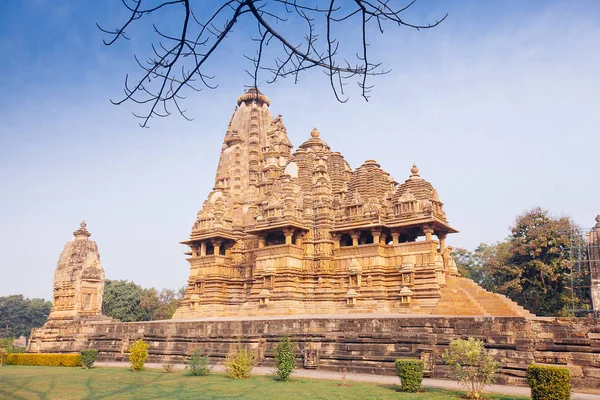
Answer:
(549, 382)
(44, 360)
(410, 372)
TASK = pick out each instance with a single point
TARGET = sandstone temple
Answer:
(354, 265)
(78, 279)
(301, 232)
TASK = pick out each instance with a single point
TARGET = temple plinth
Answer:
(301, 232)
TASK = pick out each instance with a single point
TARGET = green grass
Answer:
(21, 382)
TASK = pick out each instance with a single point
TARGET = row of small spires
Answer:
(414, 170)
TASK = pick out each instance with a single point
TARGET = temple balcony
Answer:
(271, 258)
(216, 266)
(211, 259)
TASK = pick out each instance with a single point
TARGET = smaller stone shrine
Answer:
(78, 279)
(78, 289)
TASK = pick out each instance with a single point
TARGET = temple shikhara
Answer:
(301, 232)
(78, 279)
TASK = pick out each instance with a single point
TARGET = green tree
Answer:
(126, 301)
(532, 265)
(535, 271)
(122, 301)
(478, 264)
(18, 315)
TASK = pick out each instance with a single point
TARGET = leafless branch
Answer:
(178, 60)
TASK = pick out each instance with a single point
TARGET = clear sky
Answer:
(499, 106)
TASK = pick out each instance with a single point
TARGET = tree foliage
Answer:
(127, 302)
(18, 315)
(289, 37)
(531, 266)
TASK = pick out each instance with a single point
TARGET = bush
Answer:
(549, 382)
(471, 365)
(168, 368)
(43, 360)
(410, 372)
(240, 362)
(138, 353)
(284, 356)
(88, 358)
(198, 365)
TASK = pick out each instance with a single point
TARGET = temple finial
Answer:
(414, 172)
(315, 133)
(82, 232)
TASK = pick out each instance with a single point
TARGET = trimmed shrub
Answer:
(471, 365)
(43, 360)
(198, 364)
(410, 372)
(7, 346)
(88, 358)
(284, 355)
(549, 382)
(240, 362)
(138, 353)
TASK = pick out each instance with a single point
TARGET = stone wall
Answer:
(364, 344)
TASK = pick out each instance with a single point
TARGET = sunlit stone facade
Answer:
(286, 232)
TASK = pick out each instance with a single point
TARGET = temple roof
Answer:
(417, 187)
(261, 185)
(369, 182)
(253, 95)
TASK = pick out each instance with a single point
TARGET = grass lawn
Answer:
(22, 382)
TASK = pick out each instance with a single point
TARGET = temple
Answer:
(78, 279)
(286, 232)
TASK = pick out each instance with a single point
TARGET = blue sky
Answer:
(498, 106)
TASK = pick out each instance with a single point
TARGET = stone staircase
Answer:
(463, 297)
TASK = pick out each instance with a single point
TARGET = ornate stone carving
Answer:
(78, 279)
(287, 232)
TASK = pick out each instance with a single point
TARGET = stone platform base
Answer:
(359, 343)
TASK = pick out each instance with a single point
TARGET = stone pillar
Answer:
(382, 240)
(299, 239)
(202, 249)
(376, 235)
(355, 236)
(194, 251)
(289, 235)
(395, 236)
(442, 238)
(261, 242)
(428, 231)
(217, 245)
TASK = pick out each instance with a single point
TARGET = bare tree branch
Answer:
(178, 60)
